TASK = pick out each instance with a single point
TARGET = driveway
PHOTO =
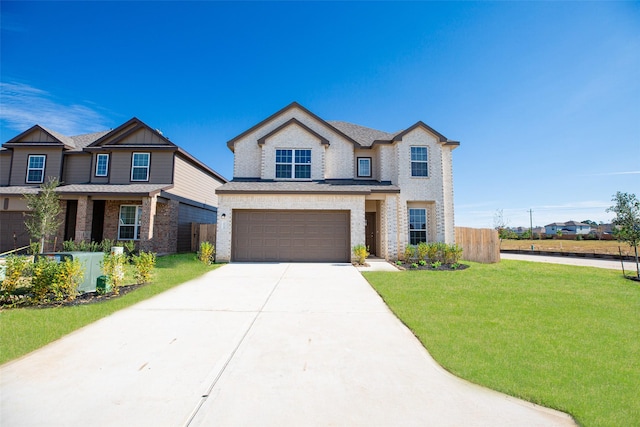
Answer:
(252, 345)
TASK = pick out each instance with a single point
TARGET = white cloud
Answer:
(24, 106)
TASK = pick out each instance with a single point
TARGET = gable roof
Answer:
(360, 136)
(112, 138)
(60, 139)
(289, 122)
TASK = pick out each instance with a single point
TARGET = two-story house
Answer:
(305, 189)
(569, 227)
(129, 183)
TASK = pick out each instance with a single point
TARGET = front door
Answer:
(70, 220)
(370, 232)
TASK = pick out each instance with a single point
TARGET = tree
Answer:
(43, 221)
(627, 221)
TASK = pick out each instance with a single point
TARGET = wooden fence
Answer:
(479, 244)
(202, 233)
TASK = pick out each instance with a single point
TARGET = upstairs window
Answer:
(140, 167)
(35, 168)
(102, 165)
(364, 167)
(417, 226)
(129, 223)
(419, 162)
(293, 164)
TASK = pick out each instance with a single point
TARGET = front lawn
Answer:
(26, 329)
(560, 336)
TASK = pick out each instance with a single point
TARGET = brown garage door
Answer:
(311, 236)
(12, 224)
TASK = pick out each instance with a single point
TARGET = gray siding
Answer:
(193, 183)
(5, 167)
(20, 159)
(38, 136)
(188, 214)
(76, 169)
(161, 167)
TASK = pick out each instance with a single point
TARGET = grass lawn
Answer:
(560, 336)
(26, 329)
(609, 247)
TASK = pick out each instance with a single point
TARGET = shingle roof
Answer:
(62, 138)
(363, 135)
(82, 141)
(316, 187)
(131, 189)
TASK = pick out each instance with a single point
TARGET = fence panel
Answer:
(479, 244)
(202, 233)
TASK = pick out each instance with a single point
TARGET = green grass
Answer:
(560, 336)
(26, 329)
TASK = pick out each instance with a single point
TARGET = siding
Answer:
(77, 168)
(20, 159)
(160, 172)
(38, 136)
(193, 183)
(5, 167)
(186, 215)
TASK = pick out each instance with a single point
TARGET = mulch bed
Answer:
(443, 267)
(83, 299)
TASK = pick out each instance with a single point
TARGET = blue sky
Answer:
(543, 96)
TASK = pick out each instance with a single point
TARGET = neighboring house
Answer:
(130, 183)
(305, 189)
(570, 227)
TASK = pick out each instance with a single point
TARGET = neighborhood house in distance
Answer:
(306, 189)
(130, 183)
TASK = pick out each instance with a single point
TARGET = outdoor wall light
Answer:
(223, 216)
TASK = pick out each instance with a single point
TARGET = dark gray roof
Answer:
(363, 135)
(301, 187)
(82, 141)
(130, 189)
(62, 138)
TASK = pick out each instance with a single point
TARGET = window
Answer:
(35, 168)
(417, 226)
(293, 164)
(102, 165)
(419, 161)
(140, 167)
(364, 167)
(129, 223)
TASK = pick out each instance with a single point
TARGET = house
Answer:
(129, 183)
(306, 189)
(570, 227)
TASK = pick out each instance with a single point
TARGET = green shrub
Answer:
(106, 245)
(423, 250)
(436, 264)
(432, 251)
(144, 265)
(206, 253)
(44, 278)
(414, 265)
(410, 253)
(361, 252)
(422, 262)
(16, 270)
(68, 276)
(113, 268)
(128, 245)
(34, 248)
(452, 254)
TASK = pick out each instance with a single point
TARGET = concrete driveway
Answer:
(252, 345)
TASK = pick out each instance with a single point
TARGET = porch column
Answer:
(147, 223)
(84, 217)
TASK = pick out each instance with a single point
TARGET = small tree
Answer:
(627, 221)
(43, 221)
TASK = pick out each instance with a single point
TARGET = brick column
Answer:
(82, 232)
(147, 223)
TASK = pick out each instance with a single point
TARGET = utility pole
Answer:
(531, 223)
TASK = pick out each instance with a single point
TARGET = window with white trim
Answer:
(364, 167)
(129, 222)
(417, 225)
(293, 164)
(419, 167)
(35, 168)
(102, 165)
(140, 166)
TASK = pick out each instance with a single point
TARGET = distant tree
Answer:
(627, 221)
(43, 221)
(500, 224)
(591, 223)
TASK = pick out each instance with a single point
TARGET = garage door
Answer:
(304, 236)
(12, 224)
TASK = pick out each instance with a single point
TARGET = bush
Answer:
(423, 250)
(144, 265)
(68, 276)
(361, 252)
(16, 268)
(44, 278)
(410, 253)
(452, 254)
(113, 268)
(206, 253)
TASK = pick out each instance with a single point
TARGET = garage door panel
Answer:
(291, 236)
